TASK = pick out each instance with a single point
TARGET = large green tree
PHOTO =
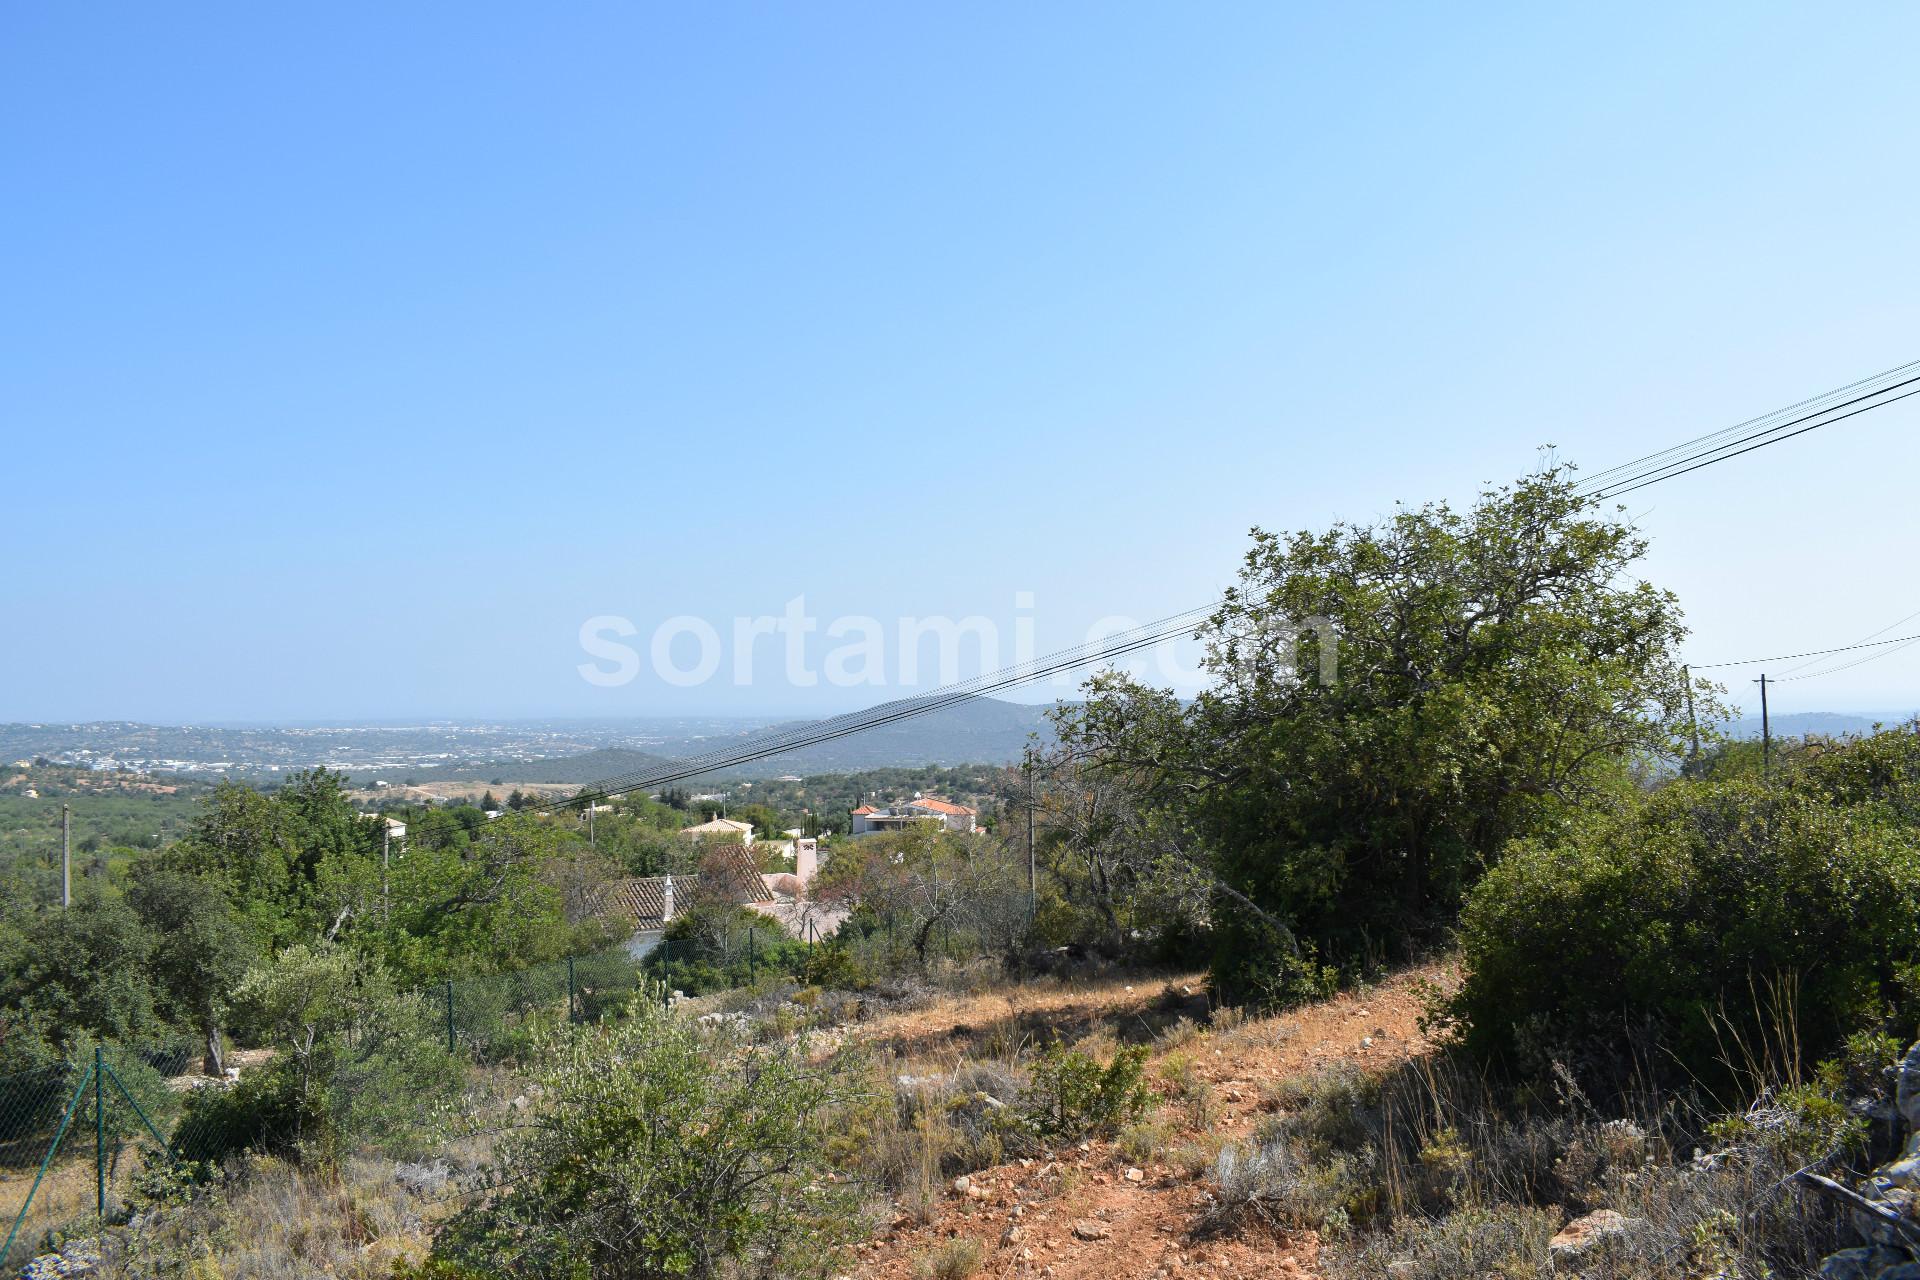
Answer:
(1391, 705)
(200, 949)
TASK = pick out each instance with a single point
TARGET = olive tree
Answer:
(1390, 705)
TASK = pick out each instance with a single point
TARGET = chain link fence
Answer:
(490, 1018)
(73, 1137)
(76, 1137)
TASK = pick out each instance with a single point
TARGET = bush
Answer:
(1272, 1184)
(717, 948)
(1733, 924)
(1072, 1093)
(354, 1060)
(660, 1148)
(955, 1260)
(1505, 1241)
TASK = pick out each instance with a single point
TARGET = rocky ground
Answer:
(1087, 1211)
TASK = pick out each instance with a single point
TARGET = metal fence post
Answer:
(46, 1161)
(573, 1003)
(99, 1132)
(450, 1045)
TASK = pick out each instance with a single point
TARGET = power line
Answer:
(1602, 479)
(1863, 639)
(1811, 653)
(1679, 460)
(778, 742)
(1825, 416)
(1614, 493)
(1857, 662)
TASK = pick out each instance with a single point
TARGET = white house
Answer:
(730, 830)
(954, 817)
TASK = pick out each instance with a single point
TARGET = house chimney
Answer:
(806, 859)
(666, 896)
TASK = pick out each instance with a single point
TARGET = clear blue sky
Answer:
(353, 355)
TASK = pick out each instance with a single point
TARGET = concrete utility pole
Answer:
(1686, 680)
(386, 842)
(66, 855)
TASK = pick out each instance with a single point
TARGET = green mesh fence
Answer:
(72, 1140)
(491, 1017)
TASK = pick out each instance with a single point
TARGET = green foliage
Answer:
(68, 978)
(506, 898)
(200, 950)
(1733, 923)
(927, 885)
(716, 947)
(353, 1058)
(1393, 704)
(1071, 1093)
(660, 1149)
(116, 818)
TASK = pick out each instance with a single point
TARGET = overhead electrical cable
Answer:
(1826, 399)
(1776, 433)
(1810, 653)
(1863, 639)
(778, 742)
(1856, 662)
(1730, 442)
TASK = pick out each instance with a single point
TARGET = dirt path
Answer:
(1084, 1213)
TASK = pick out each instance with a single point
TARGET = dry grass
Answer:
(1430, 1169)
(269, 1220)
(955, 1260)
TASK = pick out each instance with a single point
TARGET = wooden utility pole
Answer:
(1766, 733)
(66, 855)
(386, 842)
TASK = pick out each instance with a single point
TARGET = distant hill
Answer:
(588, 766)
(984, 731)
(1830, 724)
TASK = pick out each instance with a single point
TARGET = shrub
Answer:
(955, 1260)
(1273, 1185)
(1072, 1093)
(660, 1148)
(1190, 1090)
(1736, 925)
(1335, 1109)
(1504, 1241)
(1144, 1141)
(353, 1060)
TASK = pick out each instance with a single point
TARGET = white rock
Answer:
(1906, 1091)
(1582, 1234)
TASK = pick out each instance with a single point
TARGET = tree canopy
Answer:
(1391, 705)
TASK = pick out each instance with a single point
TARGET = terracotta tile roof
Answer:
(730, 870)
(864, 809)
(643, 898)
(735, 871)
(941, 806)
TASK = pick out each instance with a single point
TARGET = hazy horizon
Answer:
(361, 359)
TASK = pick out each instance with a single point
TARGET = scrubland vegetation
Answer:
(1503, 978)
